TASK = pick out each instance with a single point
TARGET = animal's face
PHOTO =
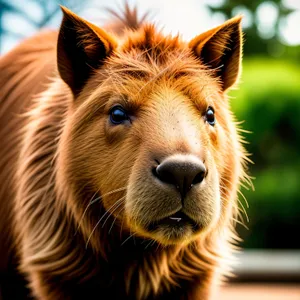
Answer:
(150, 133)
(173, 187)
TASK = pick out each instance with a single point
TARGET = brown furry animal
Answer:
(120, 166)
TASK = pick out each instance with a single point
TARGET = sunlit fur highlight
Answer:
(54, 236)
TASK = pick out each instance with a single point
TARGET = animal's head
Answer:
(149, 136)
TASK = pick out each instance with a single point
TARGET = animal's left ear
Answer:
(221, 50)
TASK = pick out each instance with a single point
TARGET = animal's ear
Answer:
(82, 47)
(221, 50)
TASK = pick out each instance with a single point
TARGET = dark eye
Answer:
(210, 116)
(118, 115)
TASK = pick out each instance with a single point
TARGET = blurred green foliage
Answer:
(269, 102)
(261, 37)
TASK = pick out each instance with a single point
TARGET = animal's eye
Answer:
(210, 116)
(118, 115)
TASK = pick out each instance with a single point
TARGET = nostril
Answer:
(154, 172)
(154, 169)
(165, 175)
(199, 177)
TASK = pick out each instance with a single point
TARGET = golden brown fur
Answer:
(76, 196)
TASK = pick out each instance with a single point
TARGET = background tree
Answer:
(20, 18)
(264, 20)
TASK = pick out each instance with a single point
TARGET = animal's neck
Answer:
(152, 267)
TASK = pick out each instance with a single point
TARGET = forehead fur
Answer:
(152, 41)
(146, 57)
(148, 51)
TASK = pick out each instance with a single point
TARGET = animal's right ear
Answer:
(82, 47)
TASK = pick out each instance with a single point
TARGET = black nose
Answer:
(181, 171)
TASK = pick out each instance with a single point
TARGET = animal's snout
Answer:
(182, 171)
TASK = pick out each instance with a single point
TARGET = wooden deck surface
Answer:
(260, 292)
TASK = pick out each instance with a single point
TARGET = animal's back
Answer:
(24, 72)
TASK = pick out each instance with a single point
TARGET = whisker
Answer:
(86, 210)
(122, 223)
(151, 243)
(86, 245)
(92, 201)
(240, 211)
(115, 220)
(243, 196)
(132, 235)
(111, 212)
(239, 201)
(241, 223)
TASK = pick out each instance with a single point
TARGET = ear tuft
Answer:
(221, 50)
(82, 47)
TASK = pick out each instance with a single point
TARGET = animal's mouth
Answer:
(178, 220)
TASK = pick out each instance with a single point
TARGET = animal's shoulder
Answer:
(24, 72)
